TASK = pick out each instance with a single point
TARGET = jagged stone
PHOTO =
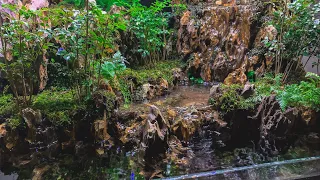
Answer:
(215, 90)
(31, 117)
(275, 126)
(218, 40)
(38, 172)
(187, 123)
(248, 90)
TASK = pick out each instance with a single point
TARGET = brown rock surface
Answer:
(217, 37)
(275, 126)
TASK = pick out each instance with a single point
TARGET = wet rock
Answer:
(178, 76)
(38, 172)
(162, 87)
(3, 130)
(31, 117)
(269, 32)
(100, 129)
(275, 126)
(126, 116)
(144, 92)
(313, 140)
(215, 90)
(130, 134)
(248, 90)
(309, 116)
(187, 123)
(9, 139)
(178, 153)
(236, 77)
(217, 37)
(154, 142)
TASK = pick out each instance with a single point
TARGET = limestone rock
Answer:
(275, 126)
(31, 117)
(38, 172)
(178, 76)
(248, 90)
(3, 130)
(217, 37)
(187, 123)
(215, 89)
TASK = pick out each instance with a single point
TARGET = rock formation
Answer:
(216, 36)
(276, 127)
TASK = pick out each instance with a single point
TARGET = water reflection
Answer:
(8, 177)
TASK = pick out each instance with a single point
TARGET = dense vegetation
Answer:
(77, 62)
(298, 35)
(80, 47)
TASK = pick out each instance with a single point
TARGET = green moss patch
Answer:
(144, 74)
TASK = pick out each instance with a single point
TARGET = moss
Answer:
(144, 74)
(303, 94)
(55, 101)
(231, 100)
(7, 105)
(10, 111)
(59, 118)
(58, 106)
(14, 122)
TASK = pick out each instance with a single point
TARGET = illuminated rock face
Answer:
(216, 37)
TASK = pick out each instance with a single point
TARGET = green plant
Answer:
(58, 106)
(109, 69)
(125, 91)
(144, 74)
(150, 26)
(14, 122)
(7, 105)
(298, 34)
(87, 42)
(231, 100)
(103, 4)
(25, 39)
(306, 94)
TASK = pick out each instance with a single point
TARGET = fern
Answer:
(305, 94)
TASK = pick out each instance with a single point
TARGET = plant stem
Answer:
(20, 57)
(87, 44)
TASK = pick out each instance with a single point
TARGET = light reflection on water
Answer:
(8, 177)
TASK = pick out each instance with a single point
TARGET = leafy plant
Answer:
(109, 69)
(103, 4)
(298, 34)
(150, 26)
(306, 94)
(25, 38)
